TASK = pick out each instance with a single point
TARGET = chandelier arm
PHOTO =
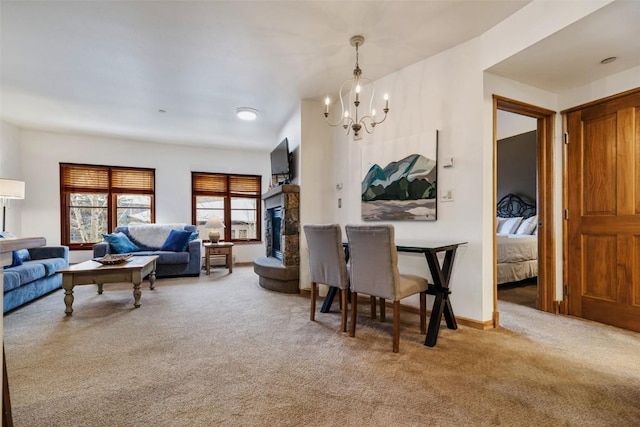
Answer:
(340, 119)
(364, 125)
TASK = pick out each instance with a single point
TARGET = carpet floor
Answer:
(220, 350)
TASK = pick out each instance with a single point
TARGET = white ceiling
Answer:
(107, 67)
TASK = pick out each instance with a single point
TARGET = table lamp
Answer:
(214, 224)
(9, 189)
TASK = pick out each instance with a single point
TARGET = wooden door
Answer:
(603, 201)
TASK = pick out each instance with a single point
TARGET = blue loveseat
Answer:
(36, 276)
(171, 263)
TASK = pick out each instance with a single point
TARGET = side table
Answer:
(220, 248)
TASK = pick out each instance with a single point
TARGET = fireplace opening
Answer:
(276, 238)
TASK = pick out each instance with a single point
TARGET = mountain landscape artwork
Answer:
(404, 189)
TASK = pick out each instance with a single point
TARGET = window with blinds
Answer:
(235, 199)
(96, 199)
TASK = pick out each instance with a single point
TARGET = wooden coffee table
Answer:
(92, 272)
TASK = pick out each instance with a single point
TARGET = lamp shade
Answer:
(214, 222)
(11, 189)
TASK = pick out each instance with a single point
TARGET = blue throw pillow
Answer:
(120, 243)
(24, 255)
(15, 259)
(193, 237)
(176, 241)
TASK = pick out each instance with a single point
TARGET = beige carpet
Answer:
(222, 351)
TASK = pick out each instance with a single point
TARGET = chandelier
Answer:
(351, 92)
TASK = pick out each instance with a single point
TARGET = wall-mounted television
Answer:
(281, 163)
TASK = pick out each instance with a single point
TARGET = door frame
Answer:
(545, 200)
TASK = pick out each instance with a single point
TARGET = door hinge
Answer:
(566, 290)
(566, 138)
(566, 214)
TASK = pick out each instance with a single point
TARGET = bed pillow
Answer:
(120, 243)
(510, 225)
(499, 221)
(176, 241)
(528, 225)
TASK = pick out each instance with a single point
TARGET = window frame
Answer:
(227, 193)
(109, 188)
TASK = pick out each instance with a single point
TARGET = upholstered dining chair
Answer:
(374, 271)
(327, 263)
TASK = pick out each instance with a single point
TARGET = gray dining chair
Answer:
(327, 263)
(374, 271)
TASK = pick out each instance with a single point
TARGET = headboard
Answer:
(512, 205)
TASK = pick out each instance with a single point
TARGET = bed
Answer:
(517, 239)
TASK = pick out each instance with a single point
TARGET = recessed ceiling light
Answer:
(609, 60)
(246, 113)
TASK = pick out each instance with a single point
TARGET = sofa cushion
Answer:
(168, 257)
(176, 241)
(29, 271)
(51, 265)
(11, 280)
(120, 243)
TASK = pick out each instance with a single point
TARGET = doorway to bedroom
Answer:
(523, 196)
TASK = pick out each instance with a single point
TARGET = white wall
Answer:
(511, 124)
(311, 141)
(43, 151)
(293, 132)
(316, 183)
(10, 168)
(617, 83)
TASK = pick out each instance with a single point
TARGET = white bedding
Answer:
(517, 257)
(517, 247)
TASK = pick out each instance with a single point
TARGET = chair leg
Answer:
(354, 309)
(343, 307)
(373, 307)
(396, 326)
(423, 312)
(383, 314)
(314, 288)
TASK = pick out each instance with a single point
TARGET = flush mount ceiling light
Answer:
(609, 60)
(355, 89)
(246, 113)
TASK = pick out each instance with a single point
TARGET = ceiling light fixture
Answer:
(355, 89)
(246, 113)
(609, 60)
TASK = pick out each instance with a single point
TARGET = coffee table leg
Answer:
(136, 294)
(152, 280)
(99, 288)
(67, 285)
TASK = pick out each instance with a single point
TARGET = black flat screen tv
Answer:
(281, 162)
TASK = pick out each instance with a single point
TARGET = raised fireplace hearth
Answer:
(279, 270)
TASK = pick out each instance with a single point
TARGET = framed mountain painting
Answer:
(400, 179)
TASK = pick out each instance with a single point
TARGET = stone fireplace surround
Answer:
(279, 270)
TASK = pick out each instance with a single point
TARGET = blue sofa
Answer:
(35, 277)
(170, 263)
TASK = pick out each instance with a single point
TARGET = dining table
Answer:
(440, 274)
